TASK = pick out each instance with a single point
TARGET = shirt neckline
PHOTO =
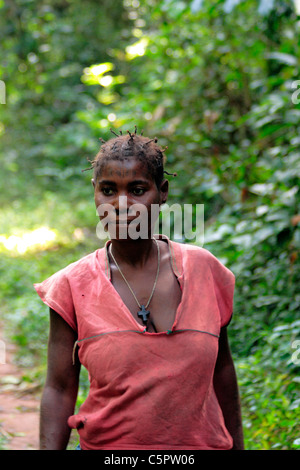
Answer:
(177, 267)
(174, 251)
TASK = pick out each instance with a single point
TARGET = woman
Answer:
(147, 317)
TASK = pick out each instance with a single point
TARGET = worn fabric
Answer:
(147, 390)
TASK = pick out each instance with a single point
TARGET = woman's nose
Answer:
(121, 205)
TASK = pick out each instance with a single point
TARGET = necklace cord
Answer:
(155, 282)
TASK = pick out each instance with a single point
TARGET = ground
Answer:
(19, 407)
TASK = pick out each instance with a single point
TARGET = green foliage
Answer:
(47, 45)
(215, 82)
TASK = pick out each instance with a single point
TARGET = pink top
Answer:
(147, 390)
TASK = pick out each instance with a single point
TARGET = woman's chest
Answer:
(164, 295)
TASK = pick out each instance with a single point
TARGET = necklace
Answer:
(143, 312)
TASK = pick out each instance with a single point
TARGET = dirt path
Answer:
(19, 407)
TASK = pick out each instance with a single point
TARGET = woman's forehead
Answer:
(129, 167)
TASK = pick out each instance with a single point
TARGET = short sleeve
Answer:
(224, 282)
(56, 293)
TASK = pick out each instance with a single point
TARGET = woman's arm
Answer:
(226, 388)
(61, 388)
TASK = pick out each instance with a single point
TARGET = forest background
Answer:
(218, 82)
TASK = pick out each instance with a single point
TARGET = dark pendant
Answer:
(143, 313)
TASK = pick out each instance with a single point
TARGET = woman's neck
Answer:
(135, 253)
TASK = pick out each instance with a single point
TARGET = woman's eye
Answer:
(107, 191)
(138, 191)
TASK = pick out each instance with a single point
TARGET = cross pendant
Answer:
(143, 313)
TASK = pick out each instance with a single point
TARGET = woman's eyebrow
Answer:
(131, 183)
(138, 182)
(107, 182)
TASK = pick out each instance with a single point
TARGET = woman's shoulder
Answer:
(194, 251)
(88, 263)
(201, 257)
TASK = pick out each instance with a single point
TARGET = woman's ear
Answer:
(164, 191)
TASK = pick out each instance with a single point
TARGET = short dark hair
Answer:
(132, 145)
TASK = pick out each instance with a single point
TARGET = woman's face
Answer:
(127, 198)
